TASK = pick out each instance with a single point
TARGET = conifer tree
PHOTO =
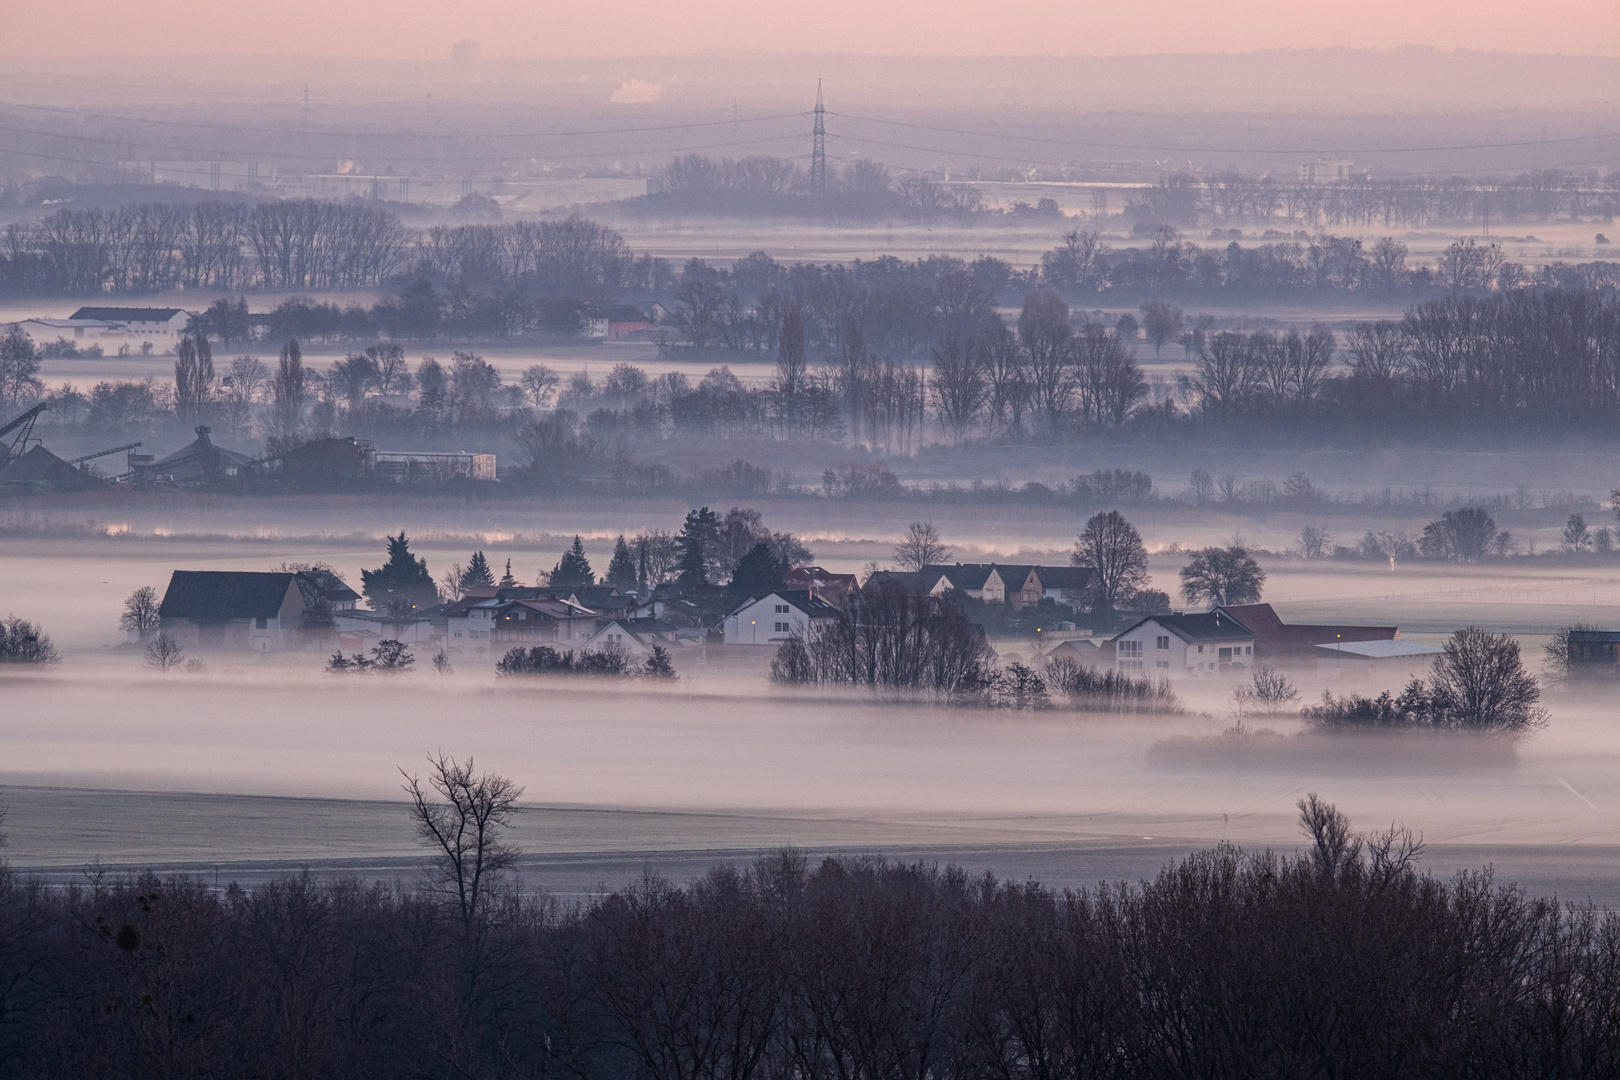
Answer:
(507, 580)
(574, 568)
(477, 573)
(622, 569)
(404, 578)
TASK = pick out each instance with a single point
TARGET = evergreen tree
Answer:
(702, 531)
(693, 569)
(758, 571)
(622, 569)
(404, 577)
(641, 577)
(477, 573)
(574, 569)
(507, 580)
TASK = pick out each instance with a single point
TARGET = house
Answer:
(491, 619)
(322, 589)
(836, 589)
(195, 464)
(162, 325)
(1277, 642)
(1592, 653)
(1018, 585)
(231, 610)
(614, 322)
(773, 617)
(1388, 658)
(634, 637)
(1206, 644)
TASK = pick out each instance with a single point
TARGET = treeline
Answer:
(309, 244)
(1231, 197)
(1342, 961)
(1169, 265)
(696, 183)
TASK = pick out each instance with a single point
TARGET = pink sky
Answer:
(426, 28)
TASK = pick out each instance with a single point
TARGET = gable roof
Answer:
(1068, 578)
(318, 585)
(222, 595)
(616, 312)
(128, 314)
(1379, 650)
(802, 599)
(1275, 637)
(1198, 627)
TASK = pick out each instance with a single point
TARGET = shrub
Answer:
(386, 655)
(21, 642)
(546, 660)
(1090, 690)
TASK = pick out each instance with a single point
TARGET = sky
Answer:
(425, 29)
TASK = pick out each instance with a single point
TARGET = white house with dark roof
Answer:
(1210, 644)
(160, 323)
(231, 610)
(772, 618)
(635, 638)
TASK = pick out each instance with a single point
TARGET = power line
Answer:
(1221, 149)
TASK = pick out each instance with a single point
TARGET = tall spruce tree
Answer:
(507, 580)
(404, 577)
(758, 571)
(622, 569)
(477, 573)
(694, 570)
(574, 569)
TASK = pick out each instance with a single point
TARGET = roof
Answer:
(1379, 650)
(616, 312)
(197, 459)
(1064, 577)
(221, 595)
(1203, 626)
(802, 599)
(1274, 636)
(1606, 637)
(646, 631)
(318, 585)
(128, 314)
(74, 324)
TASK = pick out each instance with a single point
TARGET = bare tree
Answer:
(1315, 542)
(465, 828)
(920, 547)
(140, 615)
(1480, 683)
(163, 653)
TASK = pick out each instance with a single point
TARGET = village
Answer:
(1043, 613)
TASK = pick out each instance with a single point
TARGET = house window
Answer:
(1248, 650)
(261, 623)
(1163, 664)
(782, 628)
(1200, 648)
(1163, 641)
(1130, 648)
(781, 609)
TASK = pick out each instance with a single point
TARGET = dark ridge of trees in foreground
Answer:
(1343, 962)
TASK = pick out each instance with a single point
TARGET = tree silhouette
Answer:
(622, 567)
(758, 571)
(574, 569)
(477, 573)
(403, 576)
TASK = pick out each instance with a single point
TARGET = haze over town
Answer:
(540, 539)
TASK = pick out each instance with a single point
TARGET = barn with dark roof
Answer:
(232, 610)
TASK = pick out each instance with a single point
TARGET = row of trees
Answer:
(1413, 202)
(1342, 960)
(309, 244)
(1169, 265)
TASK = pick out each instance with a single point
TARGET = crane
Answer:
(18, 445)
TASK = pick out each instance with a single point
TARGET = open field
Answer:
(254, 766)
